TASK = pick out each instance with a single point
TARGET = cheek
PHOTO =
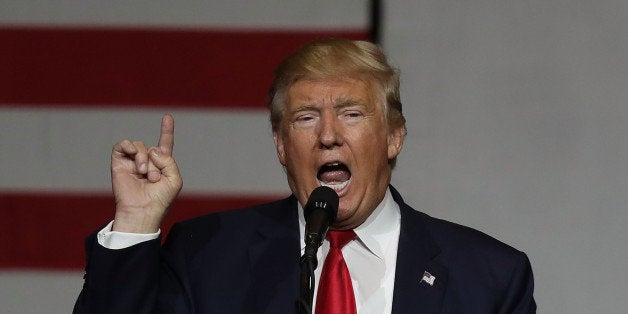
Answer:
(297, 157)
(376, 145)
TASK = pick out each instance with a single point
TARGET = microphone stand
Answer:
(306, 295)
(309, 262)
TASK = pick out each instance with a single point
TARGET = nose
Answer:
(330, 131)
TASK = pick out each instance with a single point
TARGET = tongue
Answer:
(335, 176)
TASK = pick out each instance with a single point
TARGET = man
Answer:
(337, 121)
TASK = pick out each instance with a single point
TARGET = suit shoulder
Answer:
(201, 222)
(461, 240)
(485, 265)
(450, 236)
(469, 253)
(232, 224)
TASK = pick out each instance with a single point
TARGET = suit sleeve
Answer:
(119, 281)
(519, 298)
(140, 279)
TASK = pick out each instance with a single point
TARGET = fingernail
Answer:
(143, 168)
(154, 153)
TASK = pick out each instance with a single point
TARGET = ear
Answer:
(281, 153)
(395, 141)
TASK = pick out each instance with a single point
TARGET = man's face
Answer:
(334, 132)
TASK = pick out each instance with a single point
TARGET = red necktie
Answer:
(335, 292)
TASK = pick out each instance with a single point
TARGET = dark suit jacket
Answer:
(247, 261)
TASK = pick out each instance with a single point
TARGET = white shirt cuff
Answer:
(116, 240)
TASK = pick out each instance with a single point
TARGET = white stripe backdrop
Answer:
(218, 151)
(220, 14)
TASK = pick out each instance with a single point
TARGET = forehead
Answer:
(332, 90)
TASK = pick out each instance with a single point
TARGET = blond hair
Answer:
(333, 58)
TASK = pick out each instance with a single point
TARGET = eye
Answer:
(352, 115)
(304, 120)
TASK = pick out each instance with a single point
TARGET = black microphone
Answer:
(320, 212)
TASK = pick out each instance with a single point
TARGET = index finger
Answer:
(166, 137)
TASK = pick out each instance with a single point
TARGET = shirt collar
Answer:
(377, 231)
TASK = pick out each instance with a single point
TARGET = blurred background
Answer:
(517, 116)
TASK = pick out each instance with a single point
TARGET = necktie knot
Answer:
(339, 238)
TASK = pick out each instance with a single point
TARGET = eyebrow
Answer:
(347, 102)
(304, 107)
(339, 103)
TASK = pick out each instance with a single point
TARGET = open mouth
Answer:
(335, 175)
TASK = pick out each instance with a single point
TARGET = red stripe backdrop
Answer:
(144, 67)
(46, 230)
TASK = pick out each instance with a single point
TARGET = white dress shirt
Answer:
(371, 257)
(116, 240)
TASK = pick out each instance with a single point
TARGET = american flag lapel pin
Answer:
(428, 278)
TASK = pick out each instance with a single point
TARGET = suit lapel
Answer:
(420, 281)
(274, 260)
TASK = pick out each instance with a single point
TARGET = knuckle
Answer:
(121, 144)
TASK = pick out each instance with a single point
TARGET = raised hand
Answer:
(145, 181)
